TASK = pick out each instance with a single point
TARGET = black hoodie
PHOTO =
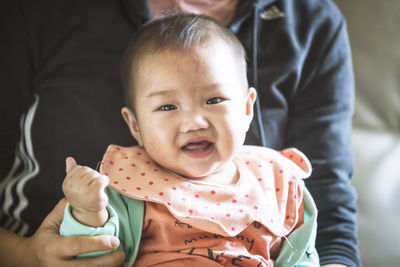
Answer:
(61, 96)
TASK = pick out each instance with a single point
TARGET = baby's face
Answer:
(192, 109)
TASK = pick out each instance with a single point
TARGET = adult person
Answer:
(60, 80)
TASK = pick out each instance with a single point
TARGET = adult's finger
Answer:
(54, 218)
(54, 250)
(114, 259)
(70, 246)
(73, 245)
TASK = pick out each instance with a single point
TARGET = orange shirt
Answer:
(193, 222)
(170, 242)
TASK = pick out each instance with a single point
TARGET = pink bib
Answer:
(269, 189)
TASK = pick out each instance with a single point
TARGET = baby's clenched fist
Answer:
(84, 189)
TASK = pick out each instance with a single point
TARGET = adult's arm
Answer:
(47, 248)
(320, 126)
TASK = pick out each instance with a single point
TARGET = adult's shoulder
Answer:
(310, 19)
(315, 11)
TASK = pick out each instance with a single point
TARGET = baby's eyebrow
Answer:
(161, 93)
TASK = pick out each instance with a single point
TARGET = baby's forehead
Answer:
(206, 48)
(152, 62)
(178, 33)
(185, 61)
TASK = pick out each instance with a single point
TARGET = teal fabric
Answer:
(298, 249)
(127, 225)
(70, 226)
(131, 215)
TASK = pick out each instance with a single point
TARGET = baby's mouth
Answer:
(197, 146)
(198, 149)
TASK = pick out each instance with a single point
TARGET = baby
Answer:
(191, 194)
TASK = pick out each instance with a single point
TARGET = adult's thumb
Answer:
(70, 163)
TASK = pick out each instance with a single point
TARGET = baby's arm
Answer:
(84, 189)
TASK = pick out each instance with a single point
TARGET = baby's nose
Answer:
(194, 122)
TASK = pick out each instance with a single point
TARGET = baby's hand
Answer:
(84, 189)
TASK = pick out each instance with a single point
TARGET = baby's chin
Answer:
(195, 174)
(221, 175)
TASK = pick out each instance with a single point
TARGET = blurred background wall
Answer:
(374, 30)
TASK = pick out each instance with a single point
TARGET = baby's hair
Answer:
(179, 32)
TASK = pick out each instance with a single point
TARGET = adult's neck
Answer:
(221, 10)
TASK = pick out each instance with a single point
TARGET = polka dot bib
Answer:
(268, 190)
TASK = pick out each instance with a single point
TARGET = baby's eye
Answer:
(167, 108)
(214, 100)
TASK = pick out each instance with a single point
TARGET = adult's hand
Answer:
(47, 248)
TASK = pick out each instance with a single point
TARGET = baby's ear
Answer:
(250, 100)
(132, 123)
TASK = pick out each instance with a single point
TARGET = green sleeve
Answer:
(126, 222)
(70, 227)
(131, 214)
(299, 248)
